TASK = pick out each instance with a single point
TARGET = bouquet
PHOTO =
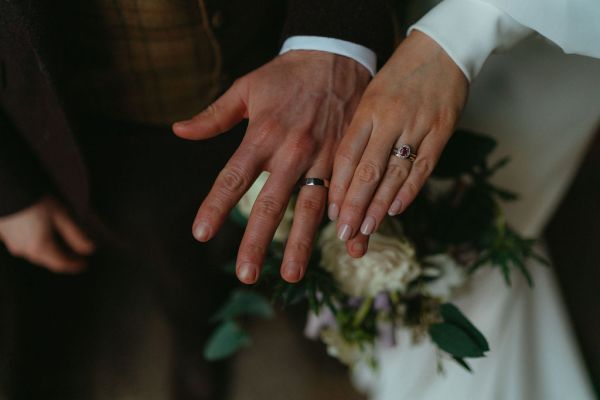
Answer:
(415, 264)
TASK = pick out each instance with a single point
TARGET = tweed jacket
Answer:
(38, 149)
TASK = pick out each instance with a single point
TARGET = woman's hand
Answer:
(416, 100)
(33, 232)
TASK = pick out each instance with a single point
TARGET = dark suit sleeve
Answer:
(365, 22)
(21, 178)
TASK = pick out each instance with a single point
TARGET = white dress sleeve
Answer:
(574, 25)
(469, 31)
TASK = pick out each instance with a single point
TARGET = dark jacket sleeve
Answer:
(21, 178)
(365, 22)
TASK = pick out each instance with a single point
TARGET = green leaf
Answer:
(243, 302)
(452, 315)
(498, 165)
(521, 266)
(225, 341)
(454, 340)
(465, 151)
(463, 363)
(504, 194)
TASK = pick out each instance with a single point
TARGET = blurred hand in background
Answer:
(46, 235)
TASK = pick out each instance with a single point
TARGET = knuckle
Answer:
(412, 189)
(337, 189)
(233, 180)
(269, 207)
(343, 157)
(303, 144)
(300, 247)
(444, 120)
(378, 206)
(210, 111)
(253, 250)
(354, 207)
(212, 210)
(423, 166)
(397, 172)
(312, 206)
(265, 131)
(368, 172)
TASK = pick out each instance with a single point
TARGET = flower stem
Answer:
(363, 311)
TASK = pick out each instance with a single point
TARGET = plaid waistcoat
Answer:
(150, 61)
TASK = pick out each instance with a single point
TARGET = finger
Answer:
(358, 245)
(232, 182)
(394, 176)
(55, 259)
(266, 215)
(219, 117)
(428, 154)
(365, 181)
(308, 214)
(71, 233)
(347, 157)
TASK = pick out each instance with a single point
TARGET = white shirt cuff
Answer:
(361, 54)
(469, 31)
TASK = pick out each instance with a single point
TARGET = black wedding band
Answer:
(314, 182)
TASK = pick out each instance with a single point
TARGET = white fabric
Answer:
(469, 31)
(361, 54)
(543, 107)
(574, 25)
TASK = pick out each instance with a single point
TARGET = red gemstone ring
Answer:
(404, 152)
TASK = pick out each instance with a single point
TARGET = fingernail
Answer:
(333, 211)
(367, 226)
(344, 232)
(395, 207)
(247, 273)
(202, 231)
(292, 271)
(358, 248)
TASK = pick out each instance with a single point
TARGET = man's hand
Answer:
(298, 106)
(32, 234)
(416, 100)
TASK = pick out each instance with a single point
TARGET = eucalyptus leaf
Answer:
(453, 315)
(225, 341)
(504, 194)
(452, 339)
(463, 363)
(244, 302)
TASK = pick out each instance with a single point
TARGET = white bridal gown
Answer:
(543, 107)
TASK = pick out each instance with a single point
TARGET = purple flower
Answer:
(386, 333)
(315, 323)
(382, 302)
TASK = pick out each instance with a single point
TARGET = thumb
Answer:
(219, 117)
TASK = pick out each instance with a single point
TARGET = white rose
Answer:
(246, 203)
(348, 353)
(450, 276)
(389, 265)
